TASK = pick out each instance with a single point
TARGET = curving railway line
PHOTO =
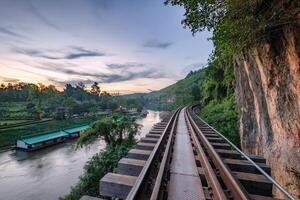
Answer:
(183, 157)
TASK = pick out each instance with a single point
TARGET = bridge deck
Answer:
(184, 181)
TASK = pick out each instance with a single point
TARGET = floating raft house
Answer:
(42, 140)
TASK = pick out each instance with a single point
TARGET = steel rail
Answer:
(236, 189)
(288, 195)
(211, 178)
(141, 178)
(162, 169)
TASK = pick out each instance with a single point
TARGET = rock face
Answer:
(268, 96)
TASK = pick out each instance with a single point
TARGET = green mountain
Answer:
(211, 87)
(182, 92)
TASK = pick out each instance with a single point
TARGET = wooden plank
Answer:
(236, 155)
(149, 135)
(149, 140)
(217, 145)
(211, 135)
(208, 193)
(129, 166)
(139, 154)
(245, 166)
(215, 139)
(255, 183)
(259, 197)
(116, 185)
(201, 170)
(145, 146)
(85, 197)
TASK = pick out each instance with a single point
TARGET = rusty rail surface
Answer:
(236, 189)
(219, 179)
(157, 190)
(139, 190)
(213, 182)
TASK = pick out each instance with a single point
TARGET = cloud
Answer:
(74, 53)
(65, 68)
(131, 71)
(125, 66)
(42, 17)
(9, 80)
(111, 77)
(72, 82)
(156, 44)
(83, 53)
(147, 73)
(9, 32)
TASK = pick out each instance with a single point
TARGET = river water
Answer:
(47, 174)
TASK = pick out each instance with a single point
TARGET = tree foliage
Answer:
(236, 24)
(95, 89)
(112, 129)
(46, 101)
(223, 116)
(118, 131)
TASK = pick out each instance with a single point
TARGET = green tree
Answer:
(118, 131)
(196, 92)
(237, 25)
(112, 129)
(95, 89)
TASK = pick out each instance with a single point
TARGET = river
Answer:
(49, 173)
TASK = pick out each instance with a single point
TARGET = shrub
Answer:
(101, 163)
(223, 116)
(118, 131)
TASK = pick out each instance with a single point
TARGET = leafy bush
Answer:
(114, 130)
(223, 116)
(118, 131)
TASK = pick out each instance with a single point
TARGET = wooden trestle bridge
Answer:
(184, 158)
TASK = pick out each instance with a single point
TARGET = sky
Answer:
(126, 45)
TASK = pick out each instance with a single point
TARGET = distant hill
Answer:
(212, 87)
(182, 92)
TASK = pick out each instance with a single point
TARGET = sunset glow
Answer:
(127, 46)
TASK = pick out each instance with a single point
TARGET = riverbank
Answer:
(9, 136)
(32, 175)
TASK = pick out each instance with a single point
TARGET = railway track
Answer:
(183, 157)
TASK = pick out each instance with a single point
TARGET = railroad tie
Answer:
(116, 185)
(129, 166)
(139, 154)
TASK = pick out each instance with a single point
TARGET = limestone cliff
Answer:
(268, 96)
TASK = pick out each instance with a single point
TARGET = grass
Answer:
(17, 106)
(9, 136)
(10, 122)
(16, 110)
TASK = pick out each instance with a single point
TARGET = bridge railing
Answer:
(274, 182)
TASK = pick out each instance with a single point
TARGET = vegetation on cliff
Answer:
(212, 88)
(237, 25)
(260, 38)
